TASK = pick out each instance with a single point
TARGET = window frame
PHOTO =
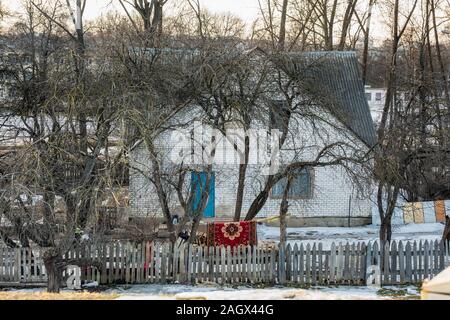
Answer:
(309, 195)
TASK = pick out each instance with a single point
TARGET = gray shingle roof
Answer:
(334, 78)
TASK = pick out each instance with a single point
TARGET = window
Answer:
(368, 96)
(378, 96)
(279, 114)
(301, 186)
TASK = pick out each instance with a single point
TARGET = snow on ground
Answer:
(328, 235)
(216, 292)
(180, 292)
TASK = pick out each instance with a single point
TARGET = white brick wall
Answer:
(332, 189)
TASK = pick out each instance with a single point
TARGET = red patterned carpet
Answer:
(232, 233)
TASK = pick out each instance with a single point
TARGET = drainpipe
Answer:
(349, 209)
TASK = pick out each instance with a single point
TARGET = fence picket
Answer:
(400, 263)
(320, 264)
(332, 263)
(308, 263)
(314, 265)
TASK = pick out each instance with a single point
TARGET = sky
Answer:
(246, 9)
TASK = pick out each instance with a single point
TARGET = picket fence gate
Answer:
(302, 264)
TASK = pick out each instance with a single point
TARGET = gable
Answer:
(333, 79)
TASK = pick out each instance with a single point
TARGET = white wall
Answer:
(332, 188)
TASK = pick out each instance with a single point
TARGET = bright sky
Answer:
(246, 9)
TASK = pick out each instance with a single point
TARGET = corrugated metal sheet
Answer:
(334, 78)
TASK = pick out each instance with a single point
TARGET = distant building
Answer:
(376, 98)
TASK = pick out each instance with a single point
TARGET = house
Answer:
(319, 196)
(376, 98)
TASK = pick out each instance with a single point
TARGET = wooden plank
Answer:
(8, 265)
(377, 255)
(151, 261)
(352, 264)
(267, 265)
(281, 264)
(408, 263)
(436, 268)
(200, 265)
(259, 264)
(254, 256)
(346, 268)
(295, 264)
(218, 272)
(35, 265)
(288, 254)
(164, 262)
(182, 272)
(314, 265)
(237, 264)
(441, 256)
(111, 250)
(223, 263)
(357, 264)
(415, 270)
(243, 254)
(127, 259)
(215, 264)
(29, 267)
(393, 257)
(236, 276)
(386, 264)
(43, 276)
(340, 263)
(401, 262)
(117, 262)
(362, 263)
(302, 271)
(326, 269)
(320, 264)
(104, 278)
(243, 264)
(157, 258)
(333, 263)
(308, 264)
(205, 263)
(272, 271)
(176, 257)
(139, 263)
(170, 262)
(426, 249)
(134, 263)
(145, 267)
(2, 264)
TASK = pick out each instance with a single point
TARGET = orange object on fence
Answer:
(439, 208)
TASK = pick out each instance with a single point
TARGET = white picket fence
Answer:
(125, 262)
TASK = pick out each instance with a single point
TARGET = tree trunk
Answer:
(54, 271)
(366, 42)
(346, 23)
(284, 206)
(386, 230)
(241, 181)
(446, 234)
(282, 34)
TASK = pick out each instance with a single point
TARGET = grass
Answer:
(397, 294)
(14, 295)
